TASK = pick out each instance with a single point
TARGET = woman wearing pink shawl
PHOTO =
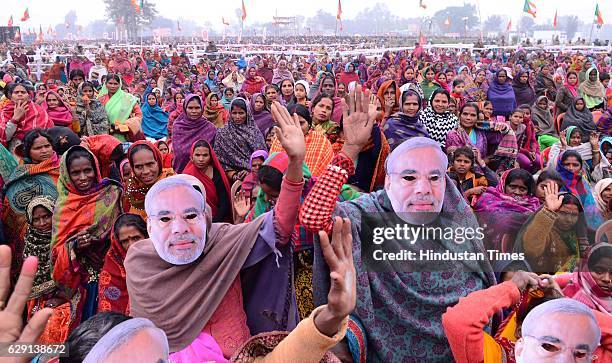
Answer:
(58, 110)
(591, 284)
(329, 85)
(566, 94)
(281, 73)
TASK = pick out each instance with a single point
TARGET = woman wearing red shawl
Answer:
(107, 150)
(265, 71)
(147, 168)
(167, 156)
(253, 83)
(505, 208)
(86, 207)
(440, 79)
(19, 116)
(389, 94)
(121, 65)
(349, 75)
(112, 291)
(205, 166)
(566, 94)
(58, 110)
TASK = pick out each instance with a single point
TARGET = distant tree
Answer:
(456, 15)
(570, 24)
(527, 24)
(493, 23)
(123, 13)
(322, 21)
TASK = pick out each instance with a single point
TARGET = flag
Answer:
(339, 15)
(223, 21)
(555, 21)
(17, 35)
(422, 39)
(598, 17)
(26, 15)
(178, 26)
(49, 30)
(243, 11)
(529, 8)
(447, 21)
(41, 36)
(422, 5)
(10, 23)
(509, 25)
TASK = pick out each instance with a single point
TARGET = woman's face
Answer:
(502, 77)
(41, 150)
(214, 101)
(462, 164)
(430, 75)
(580, 105)
(256, 164)
(409, 74)
(300, 91)
(287, 88)
(543, 104)
(568, 217)
(601, 272)
(606, 194)
(152, 83)
(151, 99)
(480, 77)
(179, 98)
(411, 105)
(516, 188)
(128, 235)
(487, 110)
(323, 110)
(271, 94)
(328, 86)
(572, 79)
(304, 125)
(526, 113)
(112, 85)
(41, 219)
(19, 94)
(524, 78)
(259, 103)
(442, 77)
(516, 119)
(82, 174)
(201, 157)
(145, 167)
(572, 164)
(163, 148)
(450, 75)
(88, 91)
(440, 103)
(545, 71)
(575, 138)
(341, 89)
(592, 76)
(194, 109)
(239, 115)
(252, 72)
(389, 95)
(269, 139)
(468, 117)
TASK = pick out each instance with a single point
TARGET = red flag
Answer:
(509, 25)
(555, 21)
(243, 11)
(17, 35)
(50, 30)
(10, 23)
(223, 21)
(41, 36)
(26, 15)
(339, 15)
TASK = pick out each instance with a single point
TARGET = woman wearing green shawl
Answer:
(122, 108)
(428, 85)
(592, 90)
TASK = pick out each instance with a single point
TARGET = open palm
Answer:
(289, 132)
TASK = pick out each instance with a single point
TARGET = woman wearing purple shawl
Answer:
(503, 209)
(405, 124)
(188, 128)
(261, 115)
(501, 94)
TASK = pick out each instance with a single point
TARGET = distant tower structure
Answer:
(284, 25)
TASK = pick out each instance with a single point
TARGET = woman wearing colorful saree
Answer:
(235, 143)
(19, 116)
(214, 111)
(167, 154)
(476, 91)
(92, 115)
(154, 119)
(205, 166)
(253, 83)
(112, 290)
(389, 94)
(592, 90)
(428, 85)
(567, 93)
(58, 110)
(122, 109)
(83, 216)
(147, 168)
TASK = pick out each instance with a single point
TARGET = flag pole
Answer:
(591, 34)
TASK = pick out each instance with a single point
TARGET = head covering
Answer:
(281, 74)
(165, 294)
(543, 118)
(523, 92)
(213, 197)
(119, 334)
(235, 143)
(438, 125)
(582, 119)
(501, 95)
(61, 115)
(381, 96)
(35, 117)
(92, 115)
(598, 190)
(583, 286)
(102, 146)
(119, 106)
(186, 131)
(154, 119)
(37, 244)
(400, 127)
(592, 91)
(572, 88)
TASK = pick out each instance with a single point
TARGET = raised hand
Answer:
(342, 295)
(357, 119)
(21, 108)
(594, 140)
(563, 139)
(552, 200)
(242, 204)
(11, 321)
(289, 132)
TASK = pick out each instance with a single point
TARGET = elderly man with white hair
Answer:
(191, 277)
(399, 302)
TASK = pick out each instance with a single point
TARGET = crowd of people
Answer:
(158, 209)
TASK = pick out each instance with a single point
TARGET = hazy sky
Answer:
(45, 12)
